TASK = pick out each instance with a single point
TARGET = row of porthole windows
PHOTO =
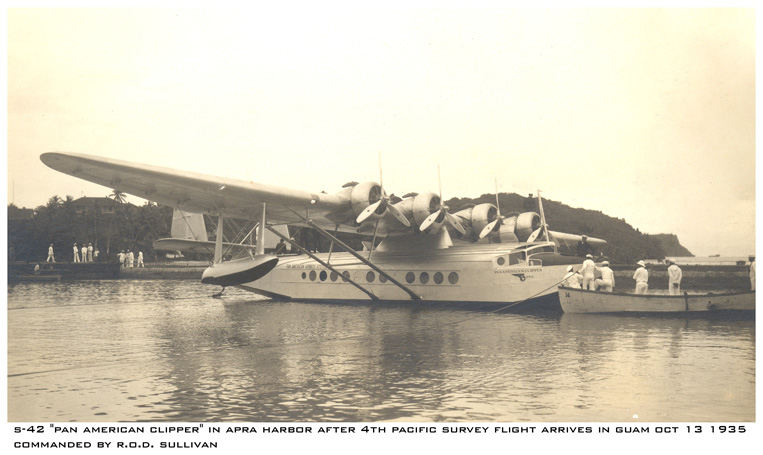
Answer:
(410, 277)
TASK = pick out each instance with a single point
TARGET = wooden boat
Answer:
(582, 301)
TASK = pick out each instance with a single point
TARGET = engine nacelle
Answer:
(481, 216)
(424, 205)
(527, 223)
(365, 194)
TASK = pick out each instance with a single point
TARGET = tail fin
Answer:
(188, 226)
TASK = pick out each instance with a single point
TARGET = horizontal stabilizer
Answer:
(196, 246)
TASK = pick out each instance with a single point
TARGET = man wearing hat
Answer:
(674, 278)
(588, 271)
(571, 279)
(76, 253)
(607, 281)
(642, 277)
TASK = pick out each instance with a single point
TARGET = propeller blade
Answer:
(534, 235)
(454, 222)
(489, 228)
(399, 215)
(429, 221)
(368, 211)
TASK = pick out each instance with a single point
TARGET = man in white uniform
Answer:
(752, 272)
(51, 258)
(588, 272)
(607, 281)
(674, 278)
(571, 279)
(642, 278)
(84, 253)
(76, 253)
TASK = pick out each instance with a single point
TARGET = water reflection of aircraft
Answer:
(426, 253)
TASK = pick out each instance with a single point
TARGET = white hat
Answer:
(589, 256)
(641, 263)
(605, 262)
(569, 268)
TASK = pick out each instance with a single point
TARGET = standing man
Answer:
(89, 252)
(84, 253)
(76, 253)
(674, 278)
(607, 281)
(51, 258)
(588, 272)
(95, 254)
(752, 272)
(140, 259)
(642, 278)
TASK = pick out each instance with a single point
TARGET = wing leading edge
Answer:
(195, 192)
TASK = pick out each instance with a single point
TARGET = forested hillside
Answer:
(625, 244)
(121, 226)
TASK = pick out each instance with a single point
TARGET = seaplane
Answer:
(417, 250)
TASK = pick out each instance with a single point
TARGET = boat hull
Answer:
(473, 276)
(583, 301)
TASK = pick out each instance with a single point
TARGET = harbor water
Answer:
(145, 350)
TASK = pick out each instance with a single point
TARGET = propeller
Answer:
(442, 213)
(495, 224)
(382, 205)
(543, 227)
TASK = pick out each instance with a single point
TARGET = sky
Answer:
(644, 114)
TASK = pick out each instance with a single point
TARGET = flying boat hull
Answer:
(476, 274)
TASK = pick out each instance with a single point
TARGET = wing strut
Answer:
(261, 234)
(318, 260)
(362, 259)
(219, 241)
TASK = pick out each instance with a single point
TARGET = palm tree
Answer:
(119, 198)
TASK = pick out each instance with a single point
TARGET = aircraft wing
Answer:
(194, 192)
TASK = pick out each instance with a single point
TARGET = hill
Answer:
(625, 244)
(671, 246)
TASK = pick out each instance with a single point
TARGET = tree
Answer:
(119, 198)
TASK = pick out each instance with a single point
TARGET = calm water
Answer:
(166, 351)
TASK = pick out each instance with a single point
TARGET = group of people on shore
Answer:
(88, 253)
(128, 259)
(584, 278)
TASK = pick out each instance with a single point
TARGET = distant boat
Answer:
(582, 301)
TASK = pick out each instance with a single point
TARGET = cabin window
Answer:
(438, 278)
(304, 275)
(333, 276)
(501, 260)
(312, 275)
(324, 275)
(453, 278)
(382, 278)
(370, 277)
(516, 258)
(345, 275)
(424, 278)
(410, 277)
